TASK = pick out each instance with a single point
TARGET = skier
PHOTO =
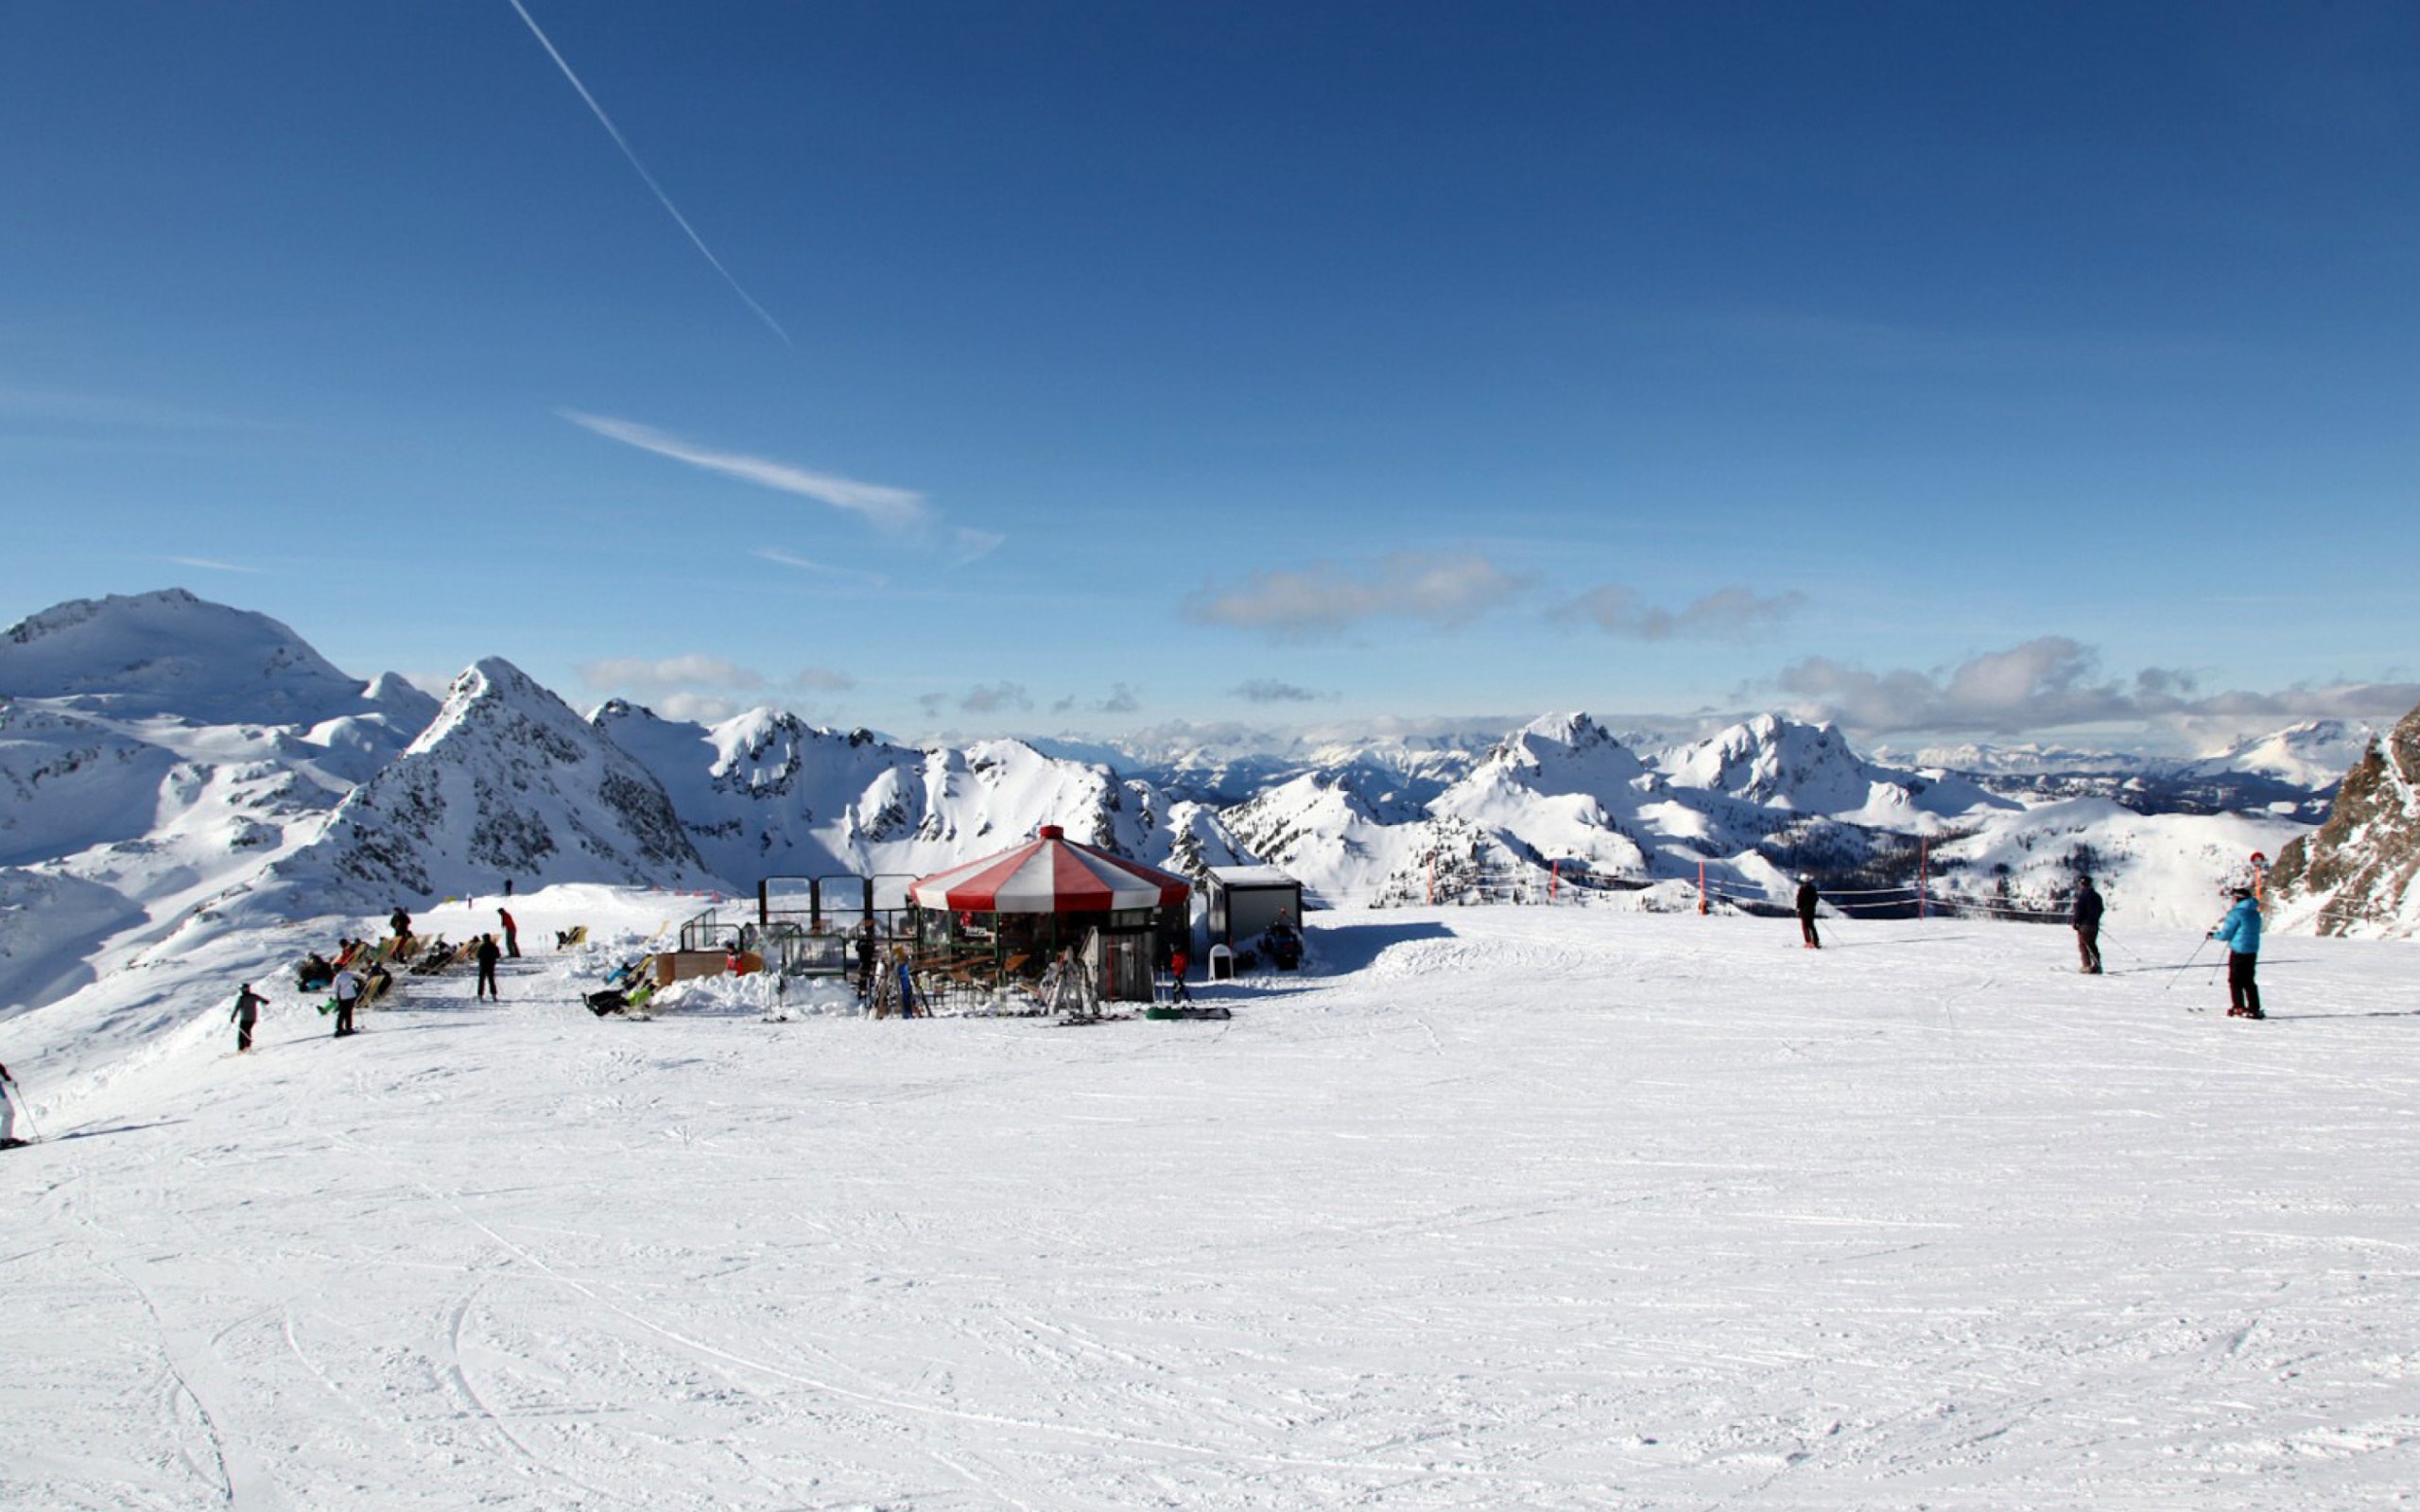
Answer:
(2086, 918)
(1807, 900)
(2241, 933)
(1177, 963)
(487, 957)
(401, 923)
(248, 1012)
(512, 934)
(348, 989)
(9, 1095)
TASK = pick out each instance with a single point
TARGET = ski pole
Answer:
(2106, 937)
(17, 1094)
(2187, 964)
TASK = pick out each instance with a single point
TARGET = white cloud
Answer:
(822, 680)
(667, 674)
(2053, 682)
(1446, 591)
(1727, 613)
(695, 708)
(892, 508)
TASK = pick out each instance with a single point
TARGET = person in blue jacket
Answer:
(2240, 931)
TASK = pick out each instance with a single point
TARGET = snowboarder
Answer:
(248, 1012)
(2086, 918)
(1807, 900)
(487, 957)
(1177, 963)
(2241, 933)
(9, 1095)
(512, 934)
(348, 989)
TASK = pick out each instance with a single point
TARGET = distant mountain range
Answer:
(165, 762)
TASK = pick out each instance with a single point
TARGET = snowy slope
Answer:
(1549, 1208)
(2165, 869)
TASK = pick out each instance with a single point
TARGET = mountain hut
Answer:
(1019, 908)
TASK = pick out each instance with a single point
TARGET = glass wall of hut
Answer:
(1023, 944)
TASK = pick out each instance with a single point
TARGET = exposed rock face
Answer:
(2355, 876)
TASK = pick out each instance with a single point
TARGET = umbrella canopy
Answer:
(1049, 875)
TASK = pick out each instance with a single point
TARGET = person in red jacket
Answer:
(512, 934)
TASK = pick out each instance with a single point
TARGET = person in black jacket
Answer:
(1807, 900)
(488, 955)
(2086, 918)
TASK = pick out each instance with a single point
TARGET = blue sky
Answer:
(1983, 372)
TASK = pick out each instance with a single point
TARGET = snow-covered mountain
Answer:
(508, 782)
(156, 750)
(1784, 764)
(2314, 754)
(767, 794)
(2358, 874)
(170, 653)
(161, 757)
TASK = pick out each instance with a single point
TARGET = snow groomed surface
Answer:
(1504, 1208)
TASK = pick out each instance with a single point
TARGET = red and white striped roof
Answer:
(1049, 875)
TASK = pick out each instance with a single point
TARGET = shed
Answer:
(1241, 902)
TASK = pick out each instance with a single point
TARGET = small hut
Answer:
(1023, 906)
(1244, 902)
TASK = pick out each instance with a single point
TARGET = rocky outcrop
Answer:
(2355, 875)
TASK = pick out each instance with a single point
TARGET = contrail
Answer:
(661, 199)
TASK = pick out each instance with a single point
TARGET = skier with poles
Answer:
(2239, 931)
(1807, 902)
(9, 1095)
(2085, 916)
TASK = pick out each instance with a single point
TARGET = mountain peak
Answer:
(170, 653)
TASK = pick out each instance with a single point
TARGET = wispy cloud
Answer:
(646, 178)
(892, 508)
(1728, 613)
(785, 559)
(822, 680)
(968, 544)
(207, 565)
(1445, 591)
